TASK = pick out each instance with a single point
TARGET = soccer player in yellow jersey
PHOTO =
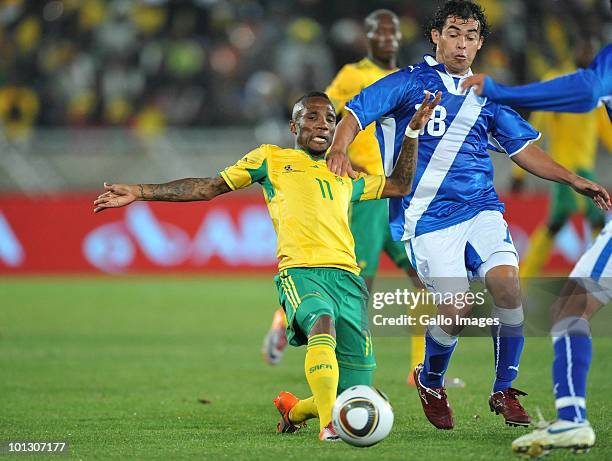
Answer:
(319, 286)
(368, 219)
(572, 142)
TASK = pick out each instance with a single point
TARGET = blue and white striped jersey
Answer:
(454, 177)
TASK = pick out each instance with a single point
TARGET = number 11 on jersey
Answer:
(329, 192)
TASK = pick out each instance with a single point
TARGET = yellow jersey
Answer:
(572, 138)
(307, 203)
(364, 151)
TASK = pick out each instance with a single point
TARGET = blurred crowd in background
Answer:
(152, 64)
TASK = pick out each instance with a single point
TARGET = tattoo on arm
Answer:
(405, 168)
(184, 190)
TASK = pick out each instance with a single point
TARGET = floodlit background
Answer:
(149, 91)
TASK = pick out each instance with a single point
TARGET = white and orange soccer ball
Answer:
(362, 416)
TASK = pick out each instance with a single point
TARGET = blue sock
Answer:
(508, 342)
(573, 350)
(439, 347)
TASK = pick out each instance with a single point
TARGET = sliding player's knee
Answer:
(324, 325)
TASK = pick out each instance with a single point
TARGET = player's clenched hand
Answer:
(339, 164)
(477, 81)
(599, 195)
(116, 195)
(425, 111)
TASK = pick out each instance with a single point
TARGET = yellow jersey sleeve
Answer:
(348, 83)
(604, 128)
(249, 169)
(367, 187)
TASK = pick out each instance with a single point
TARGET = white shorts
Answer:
(446, 259)
(594, 269)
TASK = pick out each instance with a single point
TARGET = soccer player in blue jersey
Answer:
(590, 283)
(452, 222)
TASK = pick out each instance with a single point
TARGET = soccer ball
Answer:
(362, 416)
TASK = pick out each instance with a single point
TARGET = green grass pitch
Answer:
(117, 366)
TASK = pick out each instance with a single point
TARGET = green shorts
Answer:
(370, 227)
(565, 202)
(309, 293)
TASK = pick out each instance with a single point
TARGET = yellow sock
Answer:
(417, 350)
(539, 250)
(321, 369)
(303, 410)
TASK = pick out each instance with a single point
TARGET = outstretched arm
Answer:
(399, 183)
(181, 190)
(576, 92)
(537, 162)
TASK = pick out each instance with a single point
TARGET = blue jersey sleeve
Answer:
(580, 91)
(384, 97)
(511, 133)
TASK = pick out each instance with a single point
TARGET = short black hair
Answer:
(312, 94)
(463, 9)
(371, 20)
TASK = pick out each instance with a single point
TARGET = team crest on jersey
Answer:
(340, 180)
(289, 169)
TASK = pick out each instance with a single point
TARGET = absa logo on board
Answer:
(112, 247)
